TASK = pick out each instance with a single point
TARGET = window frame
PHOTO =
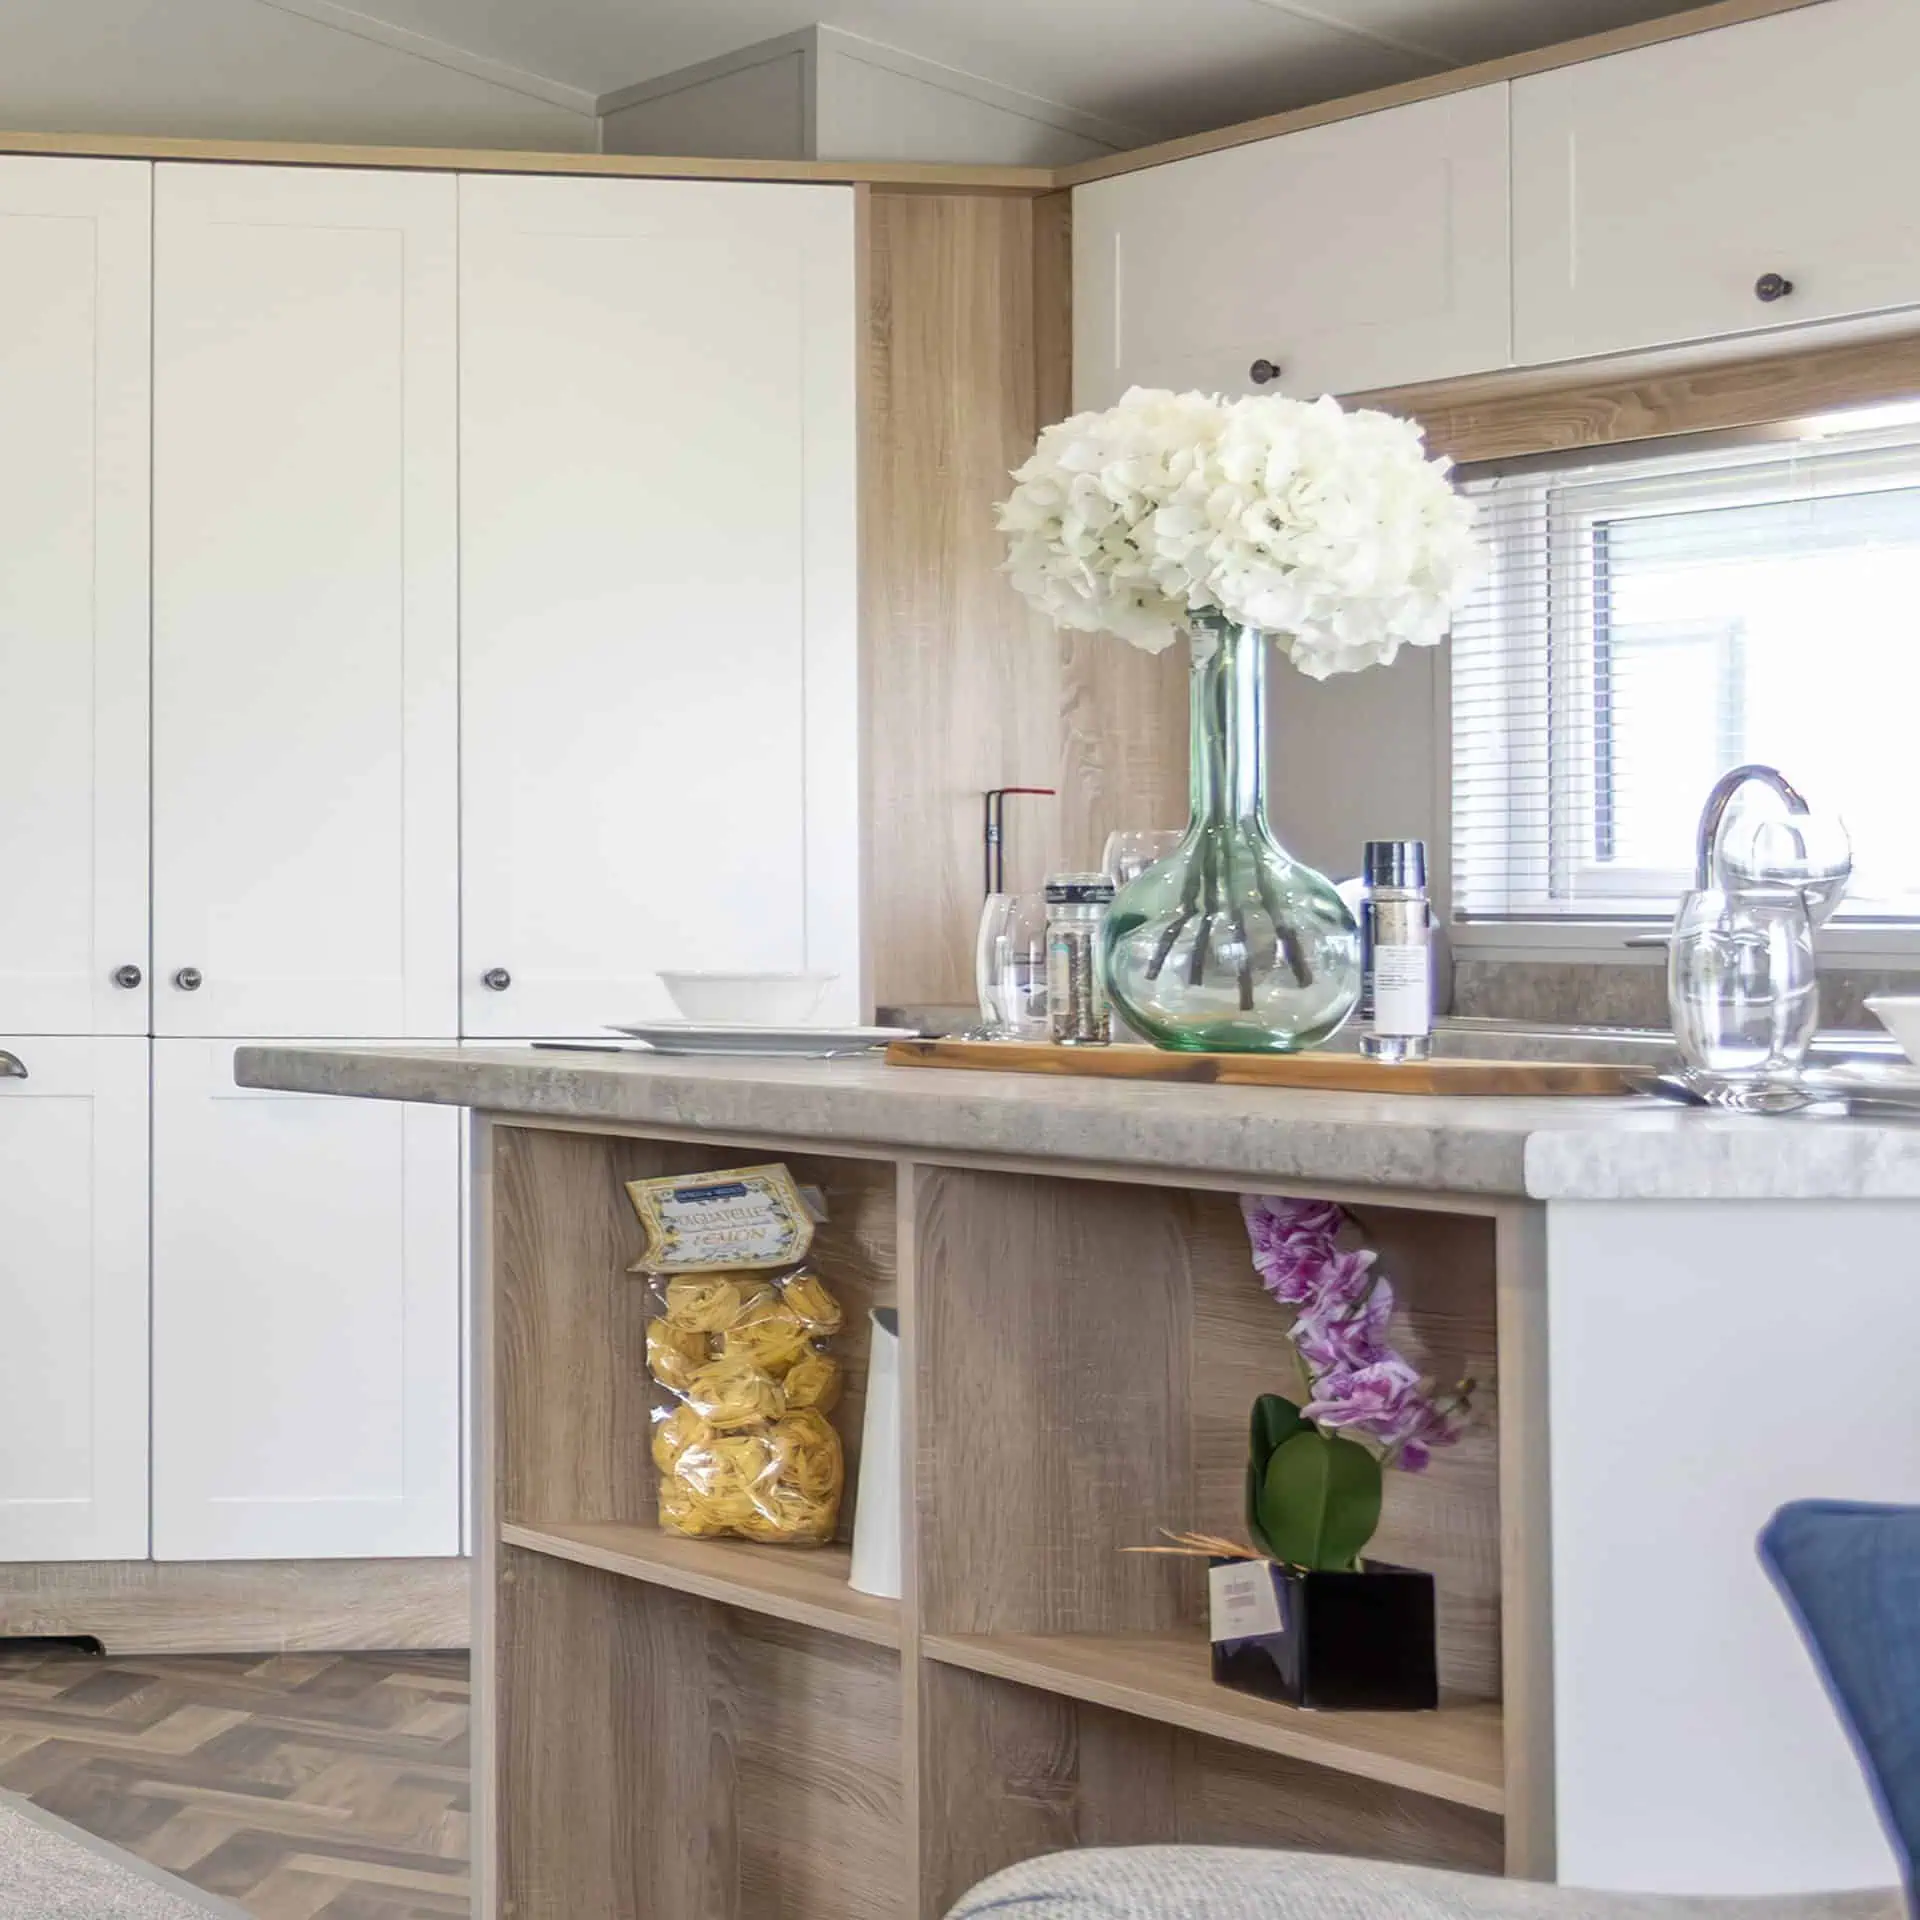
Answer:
(1612, 912)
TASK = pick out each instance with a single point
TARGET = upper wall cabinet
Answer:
(1367, 253)
(1757, 176)
(660, 691)
(73, 595)
(305, 578)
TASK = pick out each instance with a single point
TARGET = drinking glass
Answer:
(1741, 985)
(1132, 850)
(1010, 967)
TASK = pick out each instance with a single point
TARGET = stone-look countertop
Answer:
(1546, 1149)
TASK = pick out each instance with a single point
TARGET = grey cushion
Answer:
(1224, 1883)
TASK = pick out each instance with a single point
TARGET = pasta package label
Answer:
(751, 1219)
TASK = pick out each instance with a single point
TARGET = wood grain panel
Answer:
(1526, 1543)
(1053, 1338)
(1013, 1772)
(1454, 1754)
(965, 689)
(574, 1406)
(902, 174)
(1088, 1358)
(1510, 416)
(240, 1606)
(1330, 1072)
(660, 1755)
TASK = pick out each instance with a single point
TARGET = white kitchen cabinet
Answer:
(1654, 190)
(305, 577)
(1366, 253)
(73, 1300)
(659, 675)
(306, 1320)
(74, 416)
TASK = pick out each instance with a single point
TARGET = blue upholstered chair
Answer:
(1851, 1575)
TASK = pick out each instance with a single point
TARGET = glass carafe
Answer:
(1229, 944)
(1741, 984)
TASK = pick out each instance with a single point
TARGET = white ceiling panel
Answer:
(1151, 66)
(237, 69)
(1462, 31)
(1147, 68)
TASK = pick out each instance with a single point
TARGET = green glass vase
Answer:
(1229, 944)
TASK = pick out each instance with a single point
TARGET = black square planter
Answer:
(1353, 1640)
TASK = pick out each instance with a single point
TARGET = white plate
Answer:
(800, 1043)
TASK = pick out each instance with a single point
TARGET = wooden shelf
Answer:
(1454, 1754)
(805, 1585)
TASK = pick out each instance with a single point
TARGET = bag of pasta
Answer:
(738, 1333)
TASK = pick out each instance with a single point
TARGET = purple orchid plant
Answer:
(1314, 1476)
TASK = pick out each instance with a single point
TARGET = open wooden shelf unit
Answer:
(712, 1730)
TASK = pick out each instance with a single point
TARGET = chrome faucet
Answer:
(1718, 801)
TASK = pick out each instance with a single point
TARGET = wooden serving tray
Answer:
(1328, 1072)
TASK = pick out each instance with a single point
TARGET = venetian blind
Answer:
(1649, 621)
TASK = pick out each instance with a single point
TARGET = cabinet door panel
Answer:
(306, 1337)
(305, 602)
(73, 1301)
(1367, 253)
(659, 673)
(74, 410)
(1653, 189)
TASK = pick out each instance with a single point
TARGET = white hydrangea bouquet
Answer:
(1235, 522)
(1329, 530)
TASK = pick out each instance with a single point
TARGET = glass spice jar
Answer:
(1078, 1011)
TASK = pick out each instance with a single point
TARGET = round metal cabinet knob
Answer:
(189, 979)
(1771, 287)
(496, 979)
(128, 976)
(1263, 372)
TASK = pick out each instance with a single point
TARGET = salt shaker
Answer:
(1078, 1012)
(1396, 945)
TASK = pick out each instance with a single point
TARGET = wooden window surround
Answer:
(1510, 415)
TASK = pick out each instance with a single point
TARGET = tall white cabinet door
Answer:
(73, 1300)
(305, 603)
(306, 1320)
(1367, 253)
(75, 295)
(1653, 191)
(660, 690)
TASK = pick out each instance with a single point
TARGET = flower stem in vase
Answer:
(1189, 961)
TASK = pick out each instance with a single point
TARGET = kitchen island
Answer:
(1677, 1319)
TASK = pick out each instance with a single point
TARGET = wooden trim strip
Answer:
(905, 174)
(1517, 66)
(241, 1606)
(1509, 416)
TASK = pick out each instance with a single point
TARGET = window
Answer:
(1650, 621)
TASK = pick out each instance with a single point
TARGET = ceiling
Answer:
(1146, 68)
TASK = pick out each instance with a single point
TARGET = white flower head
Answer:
(1331, 530)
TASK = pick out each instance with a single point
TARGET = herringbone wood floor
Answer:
(323, 1786)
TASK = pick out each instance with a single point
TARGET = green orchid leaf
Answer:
(1320, 1501)
(1275, 1421)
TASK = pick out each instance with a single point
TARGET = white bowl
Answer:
(748, 999)
(1899, 1013)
